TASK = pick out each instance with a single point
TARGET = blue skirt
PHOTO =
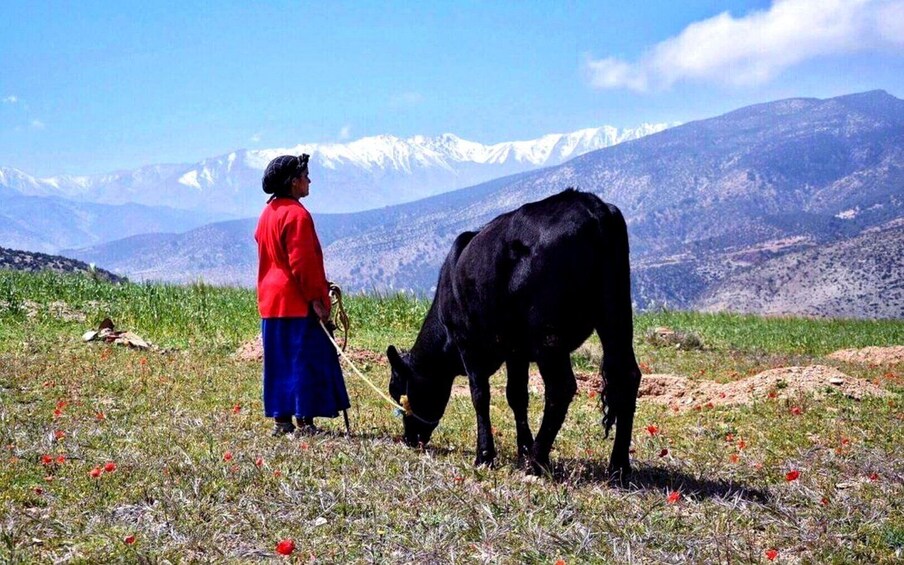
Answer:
(302, 377)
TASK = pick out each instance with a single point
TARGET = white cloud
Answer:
(12, 99)
(37, 124)
(345, 132)
(758, 46)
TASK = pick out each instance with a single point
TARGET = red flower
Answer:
(652, 429)
(61, 459)
(100, 417)
(664, 452)
(772, 394)
(303, 445)
(797, 410)
(236, 409)
(560, 562)
(734, 458)
(61, 404)
(874, 476)
(729, 437)
(673, 497)
(129, 540)
(824, 501)
(277, 473)
(591, 394)
(285, 547)
(109, 467)
(259, 462)
(708, 405)
(459, 479)
(227, 456)
(742, 444)
(46, 459)
(57, 413)
(38, 490)
(771, 554)
(95, 472)
(792, 475)
(143, 360)
(59, 434)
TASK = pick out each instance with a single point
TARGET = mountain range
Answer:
(788, 206)
(367, 173)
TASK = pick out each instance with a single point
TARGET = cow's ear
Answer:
(395, 360)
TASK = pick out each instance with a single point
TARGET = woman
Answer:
(302, 377)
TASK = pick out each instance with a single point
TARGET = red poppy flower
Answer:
(729, 437)
(742, 444)
(59, 434)
(459, 479)
(824, 501)
(100, 416)
(46, 459)
(592, 394)
(874, 476)
(227, 456)
(57, 413)
(792, 475)
(61, 459)
(277, 473)
(61, 404)
(664, 452)
(129, 540)
(652, 429)
(259, 462)
(236, 409)
(109, 467)
(673, 497)
(734, 458)
(560, 562)
(95, 472)
(303, 445)
(796, 410)
(708, 405)
(771, 554)
(143, 361)
(285, 547)
(698, 408)
(772, 394)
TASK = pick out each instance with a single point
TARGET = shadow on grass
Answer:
(650, 478)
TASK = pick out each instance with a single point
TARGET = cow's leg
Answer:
(480, 397)
(622, 379)
(517, 396)
(560, 386)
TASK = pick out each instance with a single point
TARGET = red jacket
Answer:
(290, 270)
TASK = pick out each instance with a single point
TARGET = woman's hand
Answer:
(322, 312)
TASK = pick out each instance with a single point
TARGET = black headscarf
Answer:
(281, 172)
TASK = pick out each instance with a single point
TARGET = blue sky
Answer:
(89, 87)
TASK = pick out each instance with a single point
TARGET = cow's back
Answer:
(534, 277)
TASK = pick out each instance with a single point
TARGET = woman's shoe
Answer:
(283, 428)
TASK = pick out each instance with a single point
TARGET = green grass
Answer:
(170, 417)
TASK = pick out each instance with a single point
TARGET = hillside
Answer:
(705, 201)
(15, 260)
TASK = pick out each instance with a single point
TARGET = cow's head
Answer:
(404, 381)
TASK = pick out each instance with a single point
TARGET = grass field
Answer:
(111, 453)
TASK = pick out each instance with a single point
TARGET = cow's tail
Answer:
(620, 374)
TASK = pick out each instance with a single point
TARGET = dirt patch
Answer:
(871, 355)
(786, 382)
(253, 350)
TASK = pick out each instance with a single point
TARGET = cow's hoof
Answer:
(485, 459)
(540, 466)
(620, 473)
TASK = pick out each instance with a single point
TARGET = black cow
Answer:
(530, 286)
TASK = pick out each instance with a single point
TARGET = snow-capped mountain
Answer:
(363, 174)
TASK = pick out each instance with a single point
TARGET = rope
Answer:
(340, 320)
(361, 376)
